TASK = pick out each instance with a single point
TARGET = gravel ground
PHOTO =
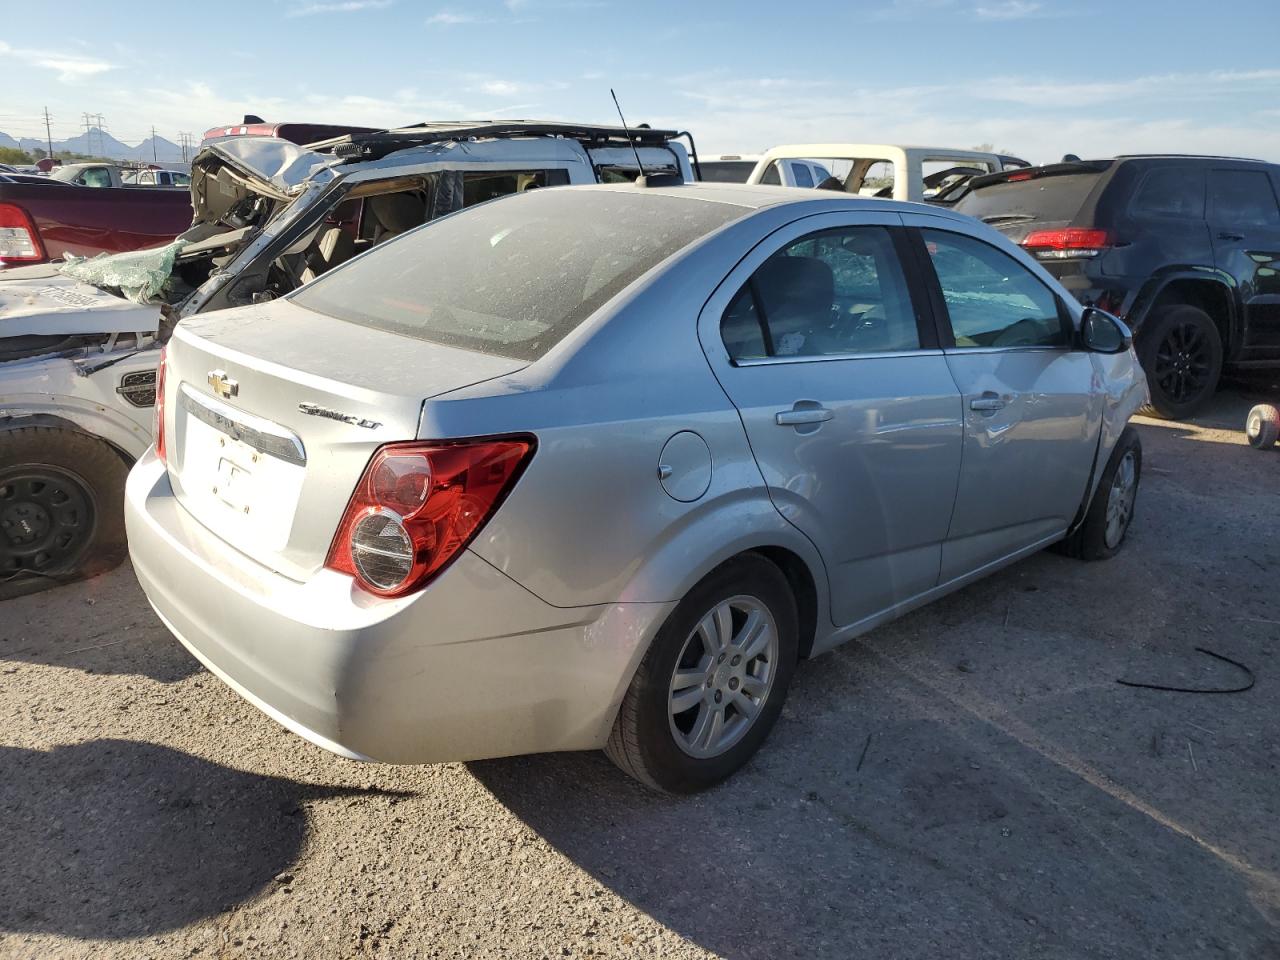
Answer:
(967, 782)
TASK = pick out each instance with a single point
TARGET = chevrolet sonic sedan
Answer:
(594, 467)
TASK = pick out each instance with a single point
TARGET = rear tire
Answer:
(1181, 353)
(61, 504)
(1262, 426)
(1110, 514)
(658, 734)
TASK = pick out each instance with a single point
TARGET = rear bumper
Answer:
(474, 666)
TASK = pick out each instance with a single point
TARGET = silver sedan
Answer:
(594, 467)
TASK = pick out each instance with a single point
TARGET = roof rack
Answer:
(373, 146)
(1184, 156)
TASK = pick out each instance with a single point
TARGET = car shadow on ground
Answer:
(126, 640)
(111, 839)
(972, 781)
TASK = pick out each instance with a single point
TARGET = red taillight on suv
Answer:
(417, 505)
(158, 429)
(19, 240)
(1066, 244)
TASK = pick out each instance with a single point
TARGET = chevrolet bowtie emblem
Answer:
(223, 385)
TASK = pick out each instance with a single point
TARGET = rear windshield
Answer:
(515, 276)
(1055, 197)
(726, 171)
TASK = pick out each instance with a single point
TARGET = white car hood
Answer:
(41, 301)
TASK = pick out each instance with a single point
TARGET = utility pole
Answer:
(102, 145)
(154, 157)
(48, 135)
(186, 139)
(88, 133)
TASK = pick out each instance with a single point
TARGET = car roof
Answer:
(759, 196)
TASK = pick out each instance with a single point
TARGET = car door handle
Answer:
(987, 403)
(1224, 235)
(794, 418)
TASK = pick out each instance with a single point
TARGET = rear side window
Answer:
(1243, 197)
(1171, 192)
(992, 300)
(1056, 197)
(771, 176)
(516, 276)
(833, 293)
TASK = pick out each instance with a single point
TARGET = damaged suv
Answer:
(79, 342)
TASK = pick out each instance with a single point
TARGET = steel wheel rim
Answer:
(723, 677)
(47, 519)
(1182, 366)
(1120, 500)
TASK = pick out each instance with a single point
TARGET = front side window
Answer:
(833, 293)
(992, 300)
(1244, 198)
(1171, 192)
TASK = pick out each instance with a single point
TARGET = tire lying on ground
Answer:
(1262, 426)
(1110, 514)
(61, 503)
(1180, 350)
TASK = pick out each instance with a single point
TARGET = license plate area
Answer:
(228, 479)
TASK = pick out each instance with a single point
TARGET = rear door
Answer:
(1031, 416)
(825, 346)
(1244, 220)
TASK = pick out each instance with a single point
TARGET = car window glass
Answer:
(1243, 197)
(802, 175)
(513, 278)
(831, 293)
(1171, 192)
(771, 176)
(992, 300)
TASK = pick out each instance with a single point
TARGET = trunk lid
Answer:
(266, 453)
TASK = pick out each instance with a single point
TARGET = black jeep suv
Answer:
(1185, 249)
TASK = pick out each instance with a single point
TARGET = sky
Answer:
(1037, 78)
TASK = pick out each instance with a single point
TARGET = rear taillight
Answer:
(159, 424)
(417, 505)
(19, 241)
(1066, 244)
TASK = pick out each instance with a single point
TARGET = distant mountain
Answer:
(99, 143)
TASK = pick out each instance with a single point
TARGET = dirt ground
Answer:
(970, 781)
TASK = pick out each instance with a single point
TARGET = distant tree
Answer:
(38, 153)
(12, 155)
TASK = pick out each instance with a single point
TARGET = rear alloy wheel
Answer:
(55, 520)
(1181, 354)
(1262, 426)
(712, 684)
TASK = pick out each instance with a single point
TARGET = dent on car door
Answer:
(825, 348)
(1032, 411)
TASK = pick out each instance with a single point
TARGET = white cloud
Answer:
(1009, 10)
(450, 18)
(346, 6)
(70, 67)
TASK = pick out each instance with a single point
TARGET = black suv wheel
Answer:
(1181, 354)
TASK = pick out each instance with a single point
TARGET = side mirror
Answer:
(1102, 333)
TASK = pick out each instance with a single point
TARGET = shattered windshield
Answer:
(139, 275)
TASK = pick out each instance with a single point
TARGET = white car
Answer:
(883, 169)
(737, 167)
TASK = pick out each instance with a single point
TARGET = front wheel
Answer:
(712, 684)
(1106, 522)
(61, 504)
